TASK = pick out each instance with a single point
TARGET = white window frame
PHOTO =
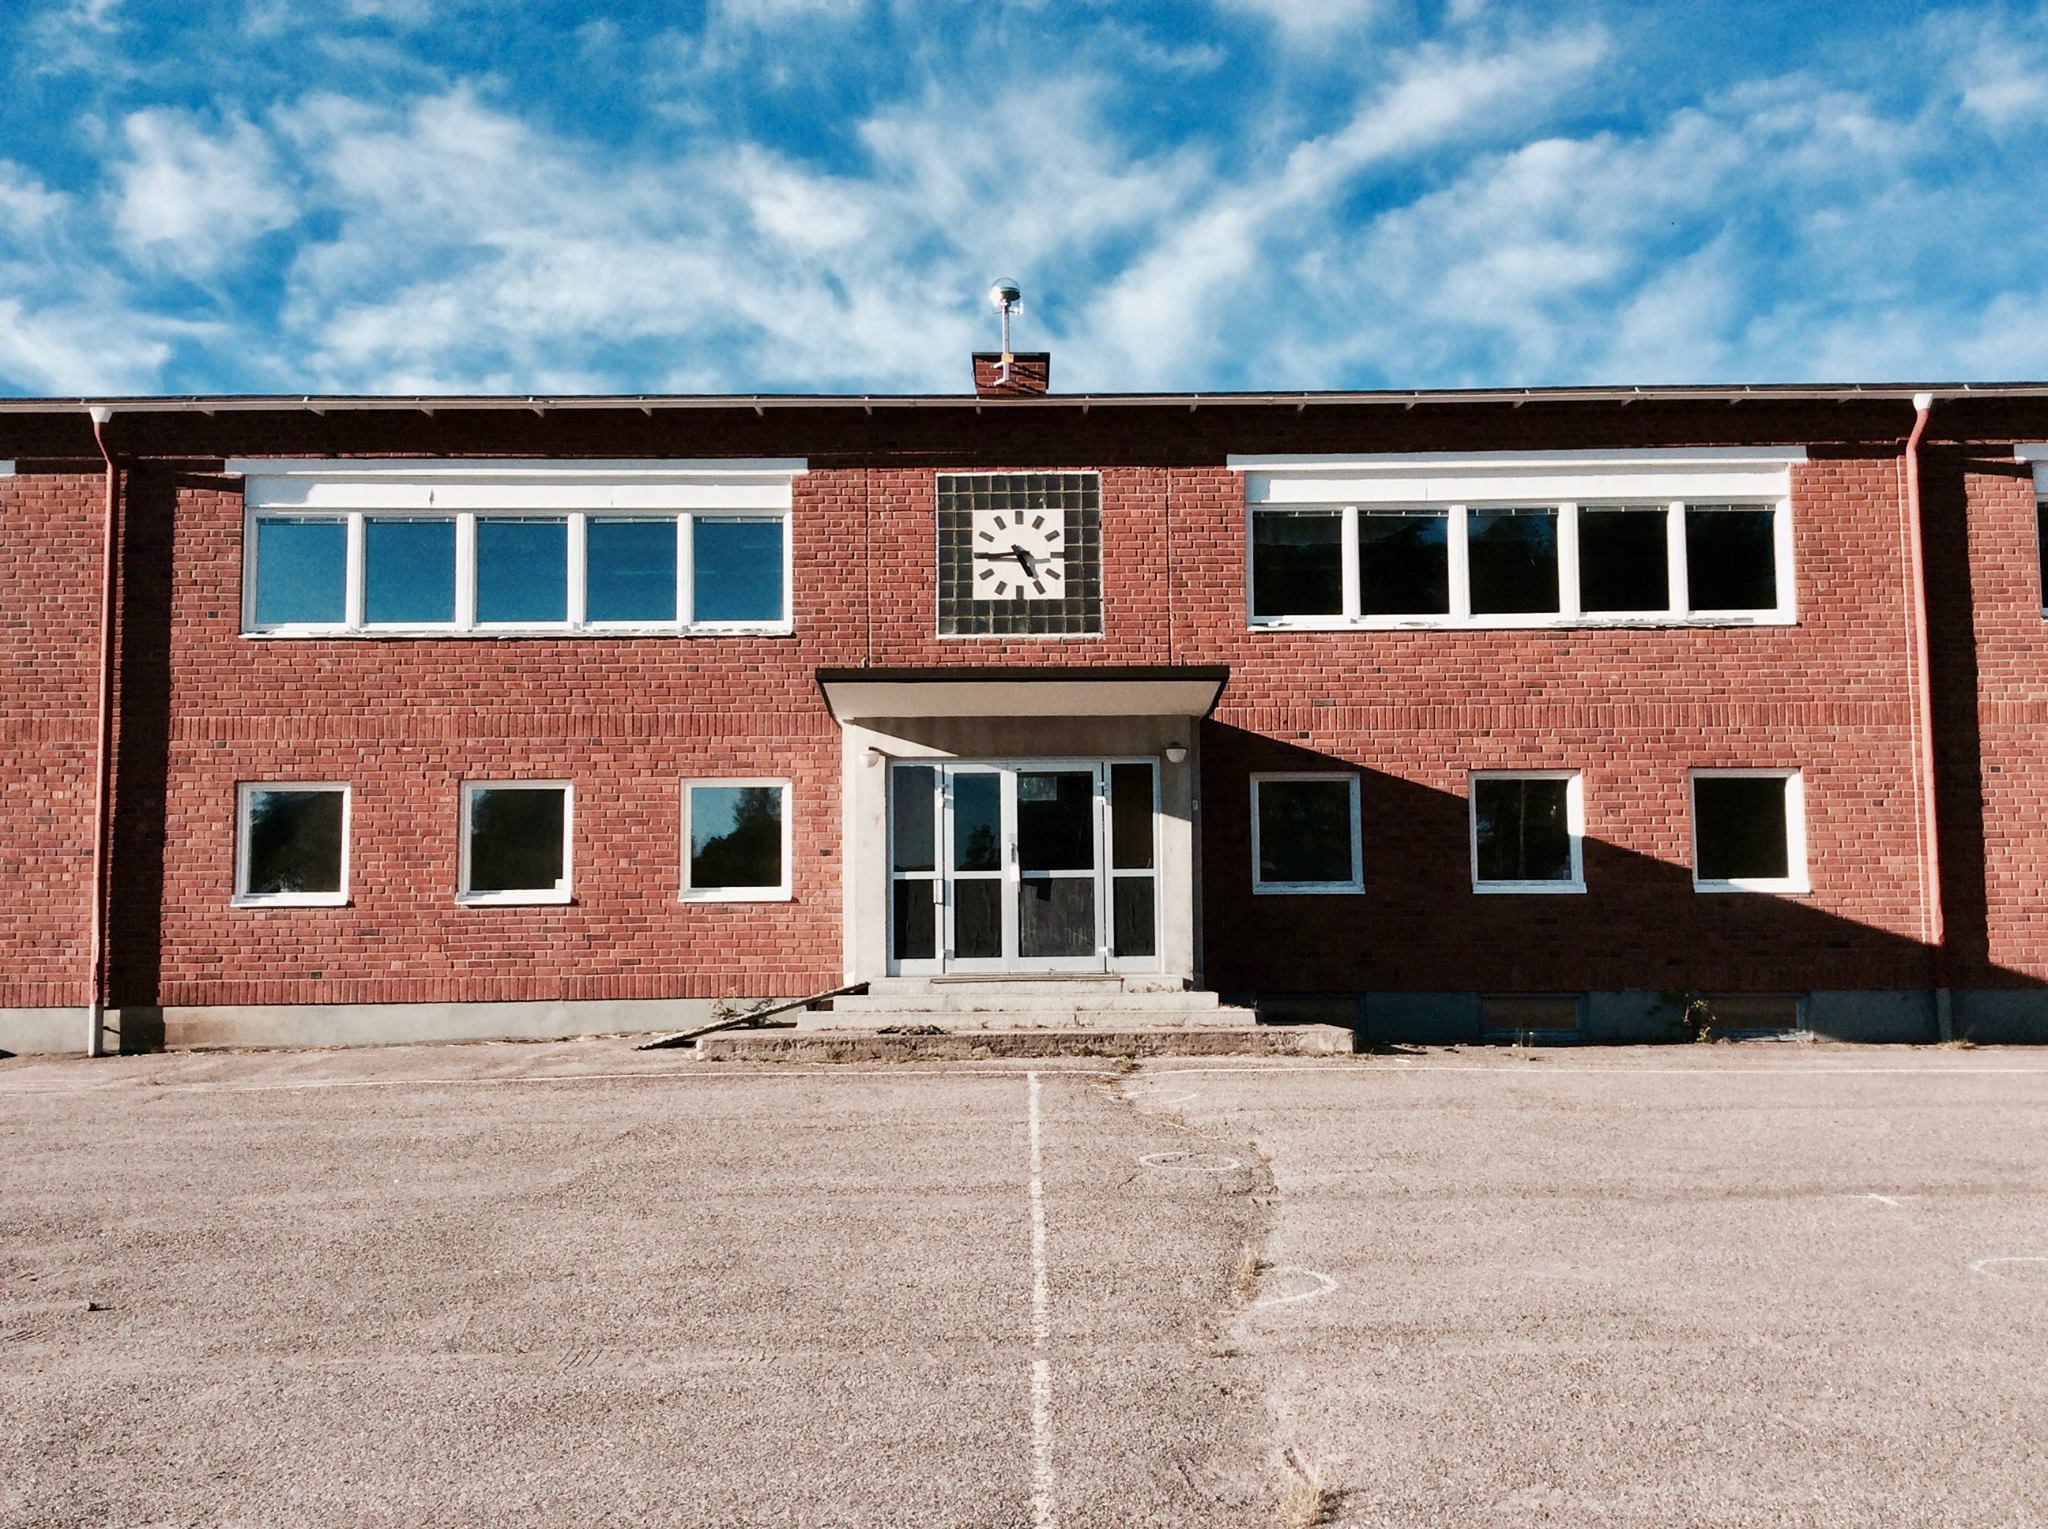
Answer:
(781, 892)
(561, 892)
(1356, 884)
(1575, 826)
(2035, 455)
(1455, 485)
(243, 897)
(1796, 880)
(352, 491)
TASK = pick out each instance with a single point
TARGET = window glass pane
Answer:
(1056, 916)
(1731, 558)
(1624, 560)
(738, 573)
(1523, 829)
(408, 571)
(294, 841)
(1130, 816)
(1513, 561)
(2041, 548)
(977, 822)
(1404, 563)
(515, 838)
(1056, 820)
(522, 570)
(978, 918)
(1305, 830)
(1739, 822)
(630, 570)
(301, 572)
(913, 824)
(1298, 563)
(735, 836)
(915, 925)
(1131, 914)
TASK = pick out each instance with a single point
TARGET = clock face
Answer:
(1019, 554)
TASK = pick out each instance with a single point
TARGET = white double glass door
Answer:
(1040, 866)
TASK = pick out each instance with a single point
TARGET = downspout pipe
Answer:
(1930, 833)
(103, 762)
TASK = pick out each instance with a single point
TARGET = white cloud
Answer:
(192, 200)
(1309, 20)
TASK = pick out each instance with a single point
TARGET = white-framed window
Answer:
(1528, 830)
(736, 840)
(2035, 455)
(378, 548)
(291, 844)
(1748, 831)
(1305, 832)
(1649, 538)
(517, 837)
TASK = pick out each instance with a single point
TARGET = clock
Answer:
(1020, 554)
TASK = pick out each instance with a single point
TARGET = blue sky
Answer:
(812, 195)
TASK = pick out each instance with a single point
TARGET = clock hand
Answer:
(1024, 560)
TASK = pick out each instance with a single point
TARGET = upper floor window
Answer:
(453, 548)
(1508, 540)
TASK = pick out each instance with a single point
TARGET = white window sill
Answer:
(289, 900)
(387, 633)
(1306, 888)
(1514, 623)
(1528, 888)
(513, 899)
(1789, 886)
(737, 895)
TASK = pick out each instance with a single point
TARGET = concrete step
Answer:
(1023, 1000)
(954, 1044)
(871, 1020)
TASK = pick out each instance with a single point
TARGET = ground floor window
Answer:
(1748, 831)
(1305, 833)
(292, 844)
(515, 842)
(736, 840)
(1528, 831)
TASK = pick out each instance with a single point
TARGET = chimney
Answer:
(1003, 373)
(1030, 372)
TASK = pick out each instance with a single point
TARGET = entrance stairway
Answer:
(1027, 1016)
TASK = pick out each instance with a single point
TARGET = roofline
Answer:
(761, 403)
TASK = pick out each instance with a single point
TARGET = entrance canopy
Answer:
(1159, 690)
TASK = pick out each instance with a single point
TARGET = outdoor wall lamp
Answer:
(1176, 753)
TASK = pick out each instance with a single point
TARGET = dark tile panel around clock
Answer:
(1077, 498)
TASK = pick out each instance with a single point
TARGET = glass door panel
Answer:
(1133, 865)
(914, 880)
(977, 867)
(1059, 844)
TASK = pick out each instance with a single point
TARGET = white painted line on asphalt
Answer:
(1323, 1286)
(685, 1075)
(1041, 1329)
(1149, 1098)
(1191, 1162)
(1893, 1201)
(2036, 1265)
(1367, 1067)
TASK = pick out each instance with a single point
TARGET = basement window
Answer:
(736, 837)
(291, 845)
(1749, 831)
(1529, 1013)
(1305, 833)
(1528, 831)
(515, 842)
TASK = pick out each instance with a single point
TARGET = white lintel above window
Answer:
(1707, 472)
(2035, 454)
(439, 483)
(6, 469)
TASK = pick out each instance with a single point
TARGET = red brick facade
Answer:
(201, 707)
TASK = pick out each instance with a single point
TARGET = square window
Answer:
(736, 840)
(1305, 833)
(630, 570)
(737, 571)
(515, 842)
(1527, 832)
(1297, 563)
(408, 571)
(301, 572)
(1748, 829)
(522, 570)
(1624, 559)
(1511, 559)
(292, 845)
(1404, 563)
(1731, 557)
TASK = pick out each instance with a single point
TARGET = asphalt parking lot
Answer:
(580, 1284)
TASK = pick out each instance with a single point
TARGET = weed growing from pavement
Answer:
(1306, 1502)
(1244, 1274)
(1960, 1043)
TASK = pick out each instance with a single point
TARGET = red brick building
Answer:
(1437, 713)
